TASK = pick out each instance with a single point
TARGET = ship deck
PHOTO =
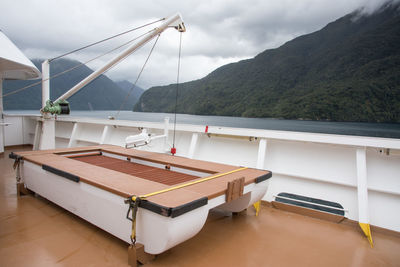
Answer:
(36, 232)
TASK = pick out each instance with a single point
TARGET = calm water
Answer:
(390, 130)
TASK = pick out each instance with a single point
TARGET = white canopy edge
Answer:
(13, 63)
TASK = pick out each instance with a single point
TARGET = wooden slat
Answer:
(163, 176)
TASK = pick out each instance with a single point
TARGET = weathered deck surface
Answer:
(35, 232)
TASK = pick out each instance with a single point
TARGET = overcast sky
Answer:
(218, 31)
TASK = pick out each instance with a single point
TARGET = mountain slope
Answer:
(127, 86)
(101, 94)
(347, 71)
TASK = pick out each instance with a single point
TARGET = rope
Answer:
(75, 67)
(137, 78)
(109, 38)
(177, 86)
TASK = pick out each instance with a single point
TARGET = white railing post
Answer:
(74, 134)
(166, 133)
(262, 147)
(362, 192)
(105, 134)
(38, 133)
(193, 143)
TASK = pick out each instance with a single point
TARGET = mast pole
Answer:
(45, 82)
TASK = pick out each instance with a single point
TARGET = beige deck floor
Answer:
(35, 232)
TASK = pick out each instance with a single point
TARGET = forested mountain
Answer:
(347, 71)
(101, 94)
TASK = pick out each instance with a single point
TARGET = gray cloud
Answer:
(219, 32)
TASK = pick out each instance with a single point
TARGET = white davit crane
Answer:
(46, 138)
(50, 107)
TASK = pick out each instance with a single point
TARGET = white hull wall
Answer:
(315, 165)
(93, 204)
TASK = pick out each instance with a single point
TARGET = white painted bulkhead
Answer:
(316, 165)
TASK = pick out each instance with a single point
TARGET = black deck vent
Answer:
(311, 203)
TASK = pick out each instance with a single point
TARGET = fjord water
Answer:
(388, 130)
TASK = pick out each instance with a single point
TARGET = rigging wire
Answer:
(106, 39)
(177, 86)
(137, 78)
(74, 67)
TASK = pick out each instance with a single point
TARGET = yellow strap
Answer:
(188, 184)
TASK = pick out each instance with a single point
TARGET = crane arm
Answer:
(172, 21)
